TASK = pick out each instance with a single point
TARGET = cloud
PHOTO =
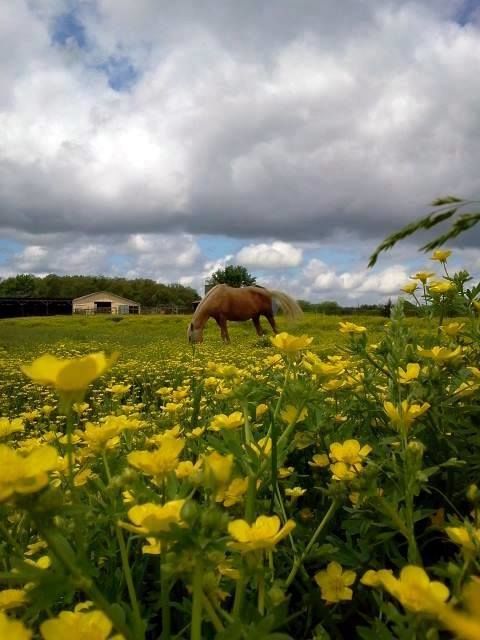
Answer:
(305, 129)
(270, 256)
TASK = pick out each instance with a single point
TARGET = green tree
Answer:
(21, 286)
(233, 275)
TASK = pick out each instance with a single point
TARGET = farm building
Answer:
(104, 302)
(20, 307)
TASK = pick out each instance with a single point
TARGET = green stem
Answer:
(165, 601)
(196, 630)
(239, 593)
(83, 582)
(246, 423)
(11, 540)
(299, 562)
(251, 498)
(70, 449)
(137, 617)
(212, 614)
(261, 593)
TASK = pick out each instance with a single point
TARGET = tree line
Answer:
(142, 290)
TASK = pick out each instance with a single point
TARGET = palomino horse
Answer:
(245, 303)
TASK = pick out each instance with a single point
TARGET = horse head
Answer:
(194, 335)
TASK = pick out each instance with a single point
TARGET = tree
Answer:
(233, 275)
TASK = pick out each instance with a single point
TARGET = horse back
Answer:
(242, 303)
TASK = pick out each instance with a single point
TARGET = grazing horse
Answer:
(245, 303)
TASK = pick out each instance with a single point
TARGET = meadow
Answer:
(317, 484)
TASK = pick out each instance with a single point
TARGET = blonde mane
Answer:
(202, 301)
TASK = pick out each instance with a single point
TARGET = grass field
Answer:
(243, 491)
(140, 333)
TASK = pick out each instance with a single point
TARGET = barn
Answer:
(104, 302)
(23, 307)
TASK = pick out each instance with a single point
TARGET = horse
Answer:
(240, 303)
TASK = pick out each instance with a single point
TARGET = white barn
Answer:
(104, 302)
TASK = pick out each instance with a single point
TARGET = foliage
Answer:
(317, 488)
(443, 211)
(147, 292)
(233, 275)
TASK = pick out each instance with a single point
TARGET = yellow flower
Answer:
(13, 629)
(158, 463)
(291, 414)
(414, 589)
(295, 492)
(83, 477)
(465, 625)
(313, 364)
(263, 534)
(263, 447)
(164, 391)
(222, 421)
(218, 468)
(452, 328)
(350, 327)
(342, 471)
(69, 374)
(334, 583)
(233, 494)
(423, 276)
(186, 469)
(319, 460)
(196, 433)
(102, 436)
(333, 385)
(285, 472)
(405, 414)
(8, 427)
(468, 539)
(290, 344)
(89, 625)
(441, 255)
(440, 355)
(410, 287)
(349, 452)
(118, 389)
(441, 286)
(260, 410)
(410, 374)
(12, 598)
(153, 518)
(80, 407)
(44, 562)
(25, 474)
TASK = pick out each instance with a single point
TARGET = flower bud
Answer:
(473, 494)
(190, 512)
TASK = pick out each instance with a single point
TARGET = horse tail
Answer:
(288, 305)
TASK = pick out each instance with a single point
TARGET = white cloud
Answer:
(333, 118)
(270, 256)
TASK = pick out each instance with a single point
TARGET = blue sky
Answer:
(166, 140)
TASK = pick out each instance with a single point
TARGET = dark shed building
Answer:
(20, 307)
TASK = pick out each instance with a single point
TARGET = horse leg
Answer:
(222, 323)
(271, 320)
(256, 324)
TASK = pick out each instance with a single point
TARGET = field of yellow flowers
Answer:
(317, 484)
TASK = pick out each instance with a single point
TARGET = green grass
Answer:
(140, 335)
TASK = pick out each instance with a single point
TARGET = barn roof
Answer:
(107, 293)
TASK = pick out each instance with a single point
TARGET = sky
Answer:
(165, 140)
